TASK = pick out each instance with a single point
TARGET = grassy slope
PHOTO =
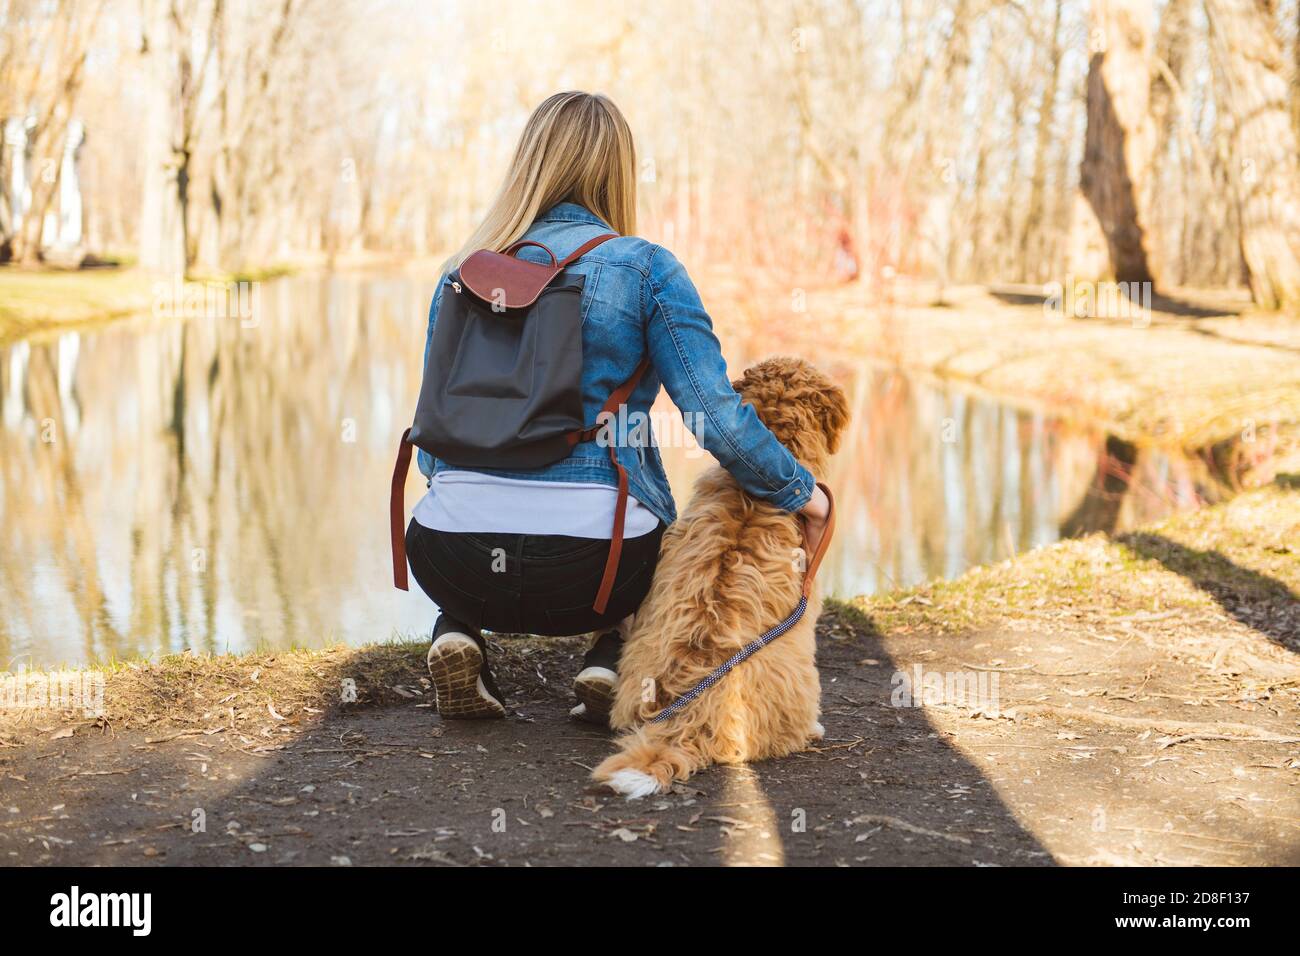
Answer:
(33, 300)
(1184, 381)
(1241, 557)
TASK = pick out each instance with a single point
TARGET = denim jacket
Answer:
(637, 298)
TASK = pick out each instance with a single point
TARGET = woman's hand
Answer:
(814, 515)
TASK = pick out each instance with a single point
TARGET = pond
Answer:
(222, 485)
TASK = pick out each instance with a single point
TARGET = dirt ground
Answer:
(1138, 705)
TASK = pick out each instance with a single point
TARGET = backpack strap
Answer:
(529, 242)
(397, 511)
(608, 419)
(583, 249)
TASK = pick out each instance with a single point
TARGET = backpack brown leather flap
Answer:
(505, 281)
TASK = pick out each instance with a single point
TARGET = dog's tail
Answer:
(648, 761)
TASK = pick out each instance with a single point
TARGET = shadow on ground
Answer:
(377, 783)
(1256, 600)
(1171, 306)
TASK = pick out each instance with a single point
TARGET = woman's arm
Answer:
(688, 358)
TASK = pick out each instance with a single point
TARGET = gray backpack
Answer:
(502, 384)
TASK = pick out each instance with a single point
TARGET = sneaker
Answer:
(461, 676)
(594, 685)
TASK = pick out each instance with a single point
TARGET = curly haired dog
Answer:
(729, 568)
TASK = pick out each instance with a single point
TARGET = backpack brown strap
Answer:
(608, 419)
(530, 242)
(585, 248)
(397, 511)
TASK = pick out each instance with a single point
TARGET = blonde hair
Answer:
(575, 147)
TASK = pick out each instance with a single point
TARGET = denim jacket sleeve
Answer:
(688, 358)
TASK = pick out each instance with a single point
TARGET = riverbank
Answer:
(1135, 701)
(36, 300)
(1199, 372)
(33, 301)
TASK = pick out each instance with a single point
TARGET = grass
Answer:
(32, 300)
(188, 690)
(265, 274)
(1242, 555)
(281, 688)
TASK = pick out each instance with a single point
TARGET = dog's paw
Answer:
(817, 732)
(632, 784)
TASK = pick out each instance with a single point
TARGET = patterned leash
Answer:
(746, 652)
(768, 636)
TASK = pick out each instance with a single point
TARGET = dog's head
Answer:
(803, 408)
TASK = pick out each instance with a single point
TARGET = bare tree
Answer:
(56, 84)
(162, 214)
(1265, 178)
(1121, 137)
(1033, 241)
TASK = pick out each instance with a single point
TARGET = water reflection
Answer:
(933, 480)
(222, 486)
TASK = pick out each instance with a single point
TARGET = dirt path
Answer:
(1144, 711)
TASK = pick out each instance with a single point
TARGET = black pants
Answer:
(529, 583)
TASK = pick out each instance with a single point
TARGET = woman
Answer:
(524, 551)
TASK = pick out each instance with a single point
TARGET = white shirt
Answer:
(472, 501)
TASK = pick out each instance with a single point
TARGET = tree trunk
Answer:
(946, 148)
(70, 46)
(1033, 262)
(6, 211)
(1295, 75)
(1174, 145)
(1119, 150)
(162, 220)
(1263, 147)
